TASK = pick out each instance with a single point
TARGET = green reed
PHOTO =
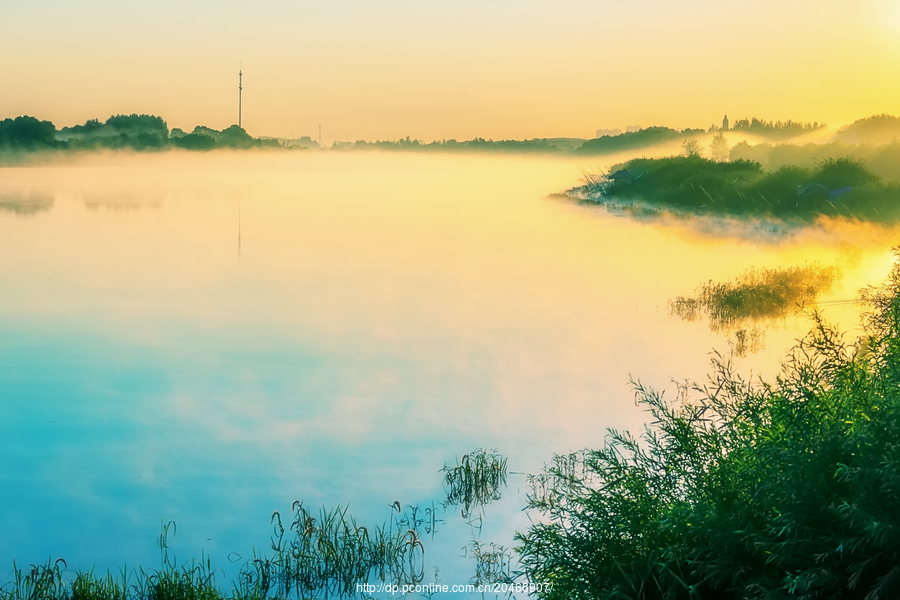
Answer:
(476, 480)
(52, 582)
(756, 296)
(328, 553)
(493, 563)
(321, 553)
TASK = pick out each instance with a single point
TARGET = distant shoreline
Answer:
(149, 133)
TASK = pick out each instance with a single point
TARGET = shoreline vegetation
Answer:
(740, 488)
(853, 173)
(841, 187)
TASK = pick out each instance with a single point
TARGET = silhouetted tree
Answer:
(135, 123)
(194, 141)
(691, 147)
(27, 132)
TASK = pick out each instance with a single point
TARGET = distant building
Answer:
(725, 123)
(633, 128)
(602, 132)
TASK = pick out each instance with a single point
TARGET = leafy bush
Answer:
(843, 171)
(747, 489)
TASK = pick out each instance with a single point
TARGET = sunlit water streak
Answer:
(207, 338)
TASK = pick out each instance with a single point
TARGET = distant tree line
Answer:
(134, 132)
(877, 129)
(149, 132)
(882, 159)
(205, 138)
(537, 145)
(634, 139)
(27, 133)
(784, 129)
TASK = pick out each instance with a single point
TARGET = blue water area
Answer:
(206, 342)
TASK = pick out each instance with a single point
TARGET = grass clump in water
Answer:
(493, 563)
(319, 554)
(755, 296)
(742, 488)
(475, 480)
(329, 554)
(50, 582)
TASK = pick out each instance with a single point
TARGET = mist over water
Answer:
(207, 338)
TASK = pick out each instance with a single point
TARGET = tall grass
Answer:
(321, 553)
(756, 297)
(493, 563)
(329, 554)
(50, 581)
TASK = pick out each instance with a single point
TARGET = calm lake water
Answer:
(206, 338)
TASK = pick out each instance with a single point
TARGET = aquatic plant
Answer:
(742, 488)
(38, 582)
(26, 205)
(330, 554)
(493, 563)
(747, 341)
(194, 581)
(319, 553)
(475, 480)
(753, 297)
(87, 586)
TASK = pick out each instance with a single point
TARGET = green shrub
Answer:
(748, 489)
(842, 172)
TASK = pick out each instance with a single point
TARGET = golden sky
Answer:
(384, 69)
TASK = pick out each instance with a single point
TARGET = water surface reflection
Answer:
(383, 315)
